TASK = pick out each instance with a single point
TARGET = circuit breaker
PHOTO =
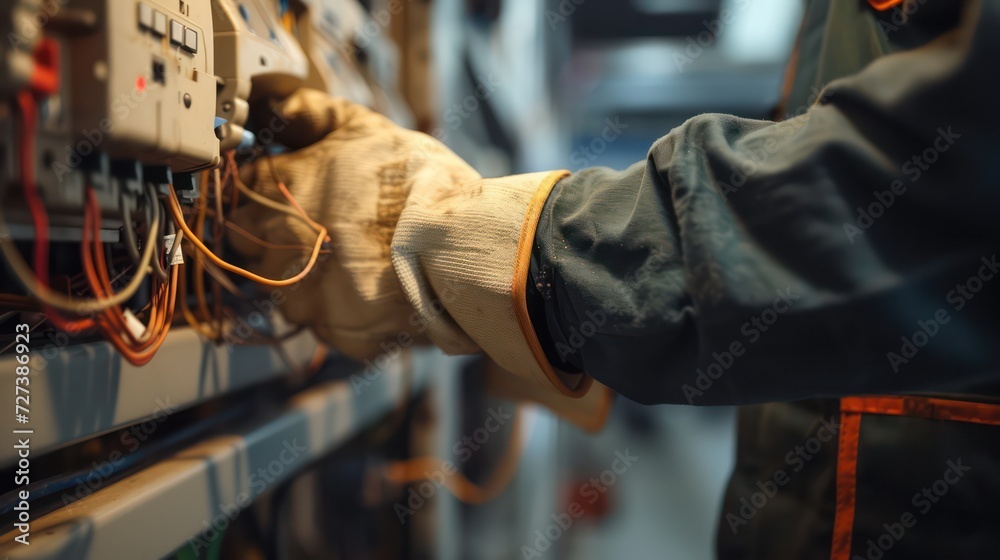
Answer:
(255, 56)
(329, 31)
(144, 85)
(126, 81)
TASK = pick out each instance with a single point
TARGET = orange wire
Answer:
(116, 314)
(99, 285)
(232, 171)
(112, 320)
(193, 321)
(175, 209)
(288, 195)
(198, 267)
(414, 470)
(217, 233)
(253, 238)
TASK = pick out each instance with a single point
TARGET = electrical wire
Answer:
(217, 187)
(158, 301)
(414, 470)
(270, 203)
(223, 280)
(95, 268)
(218, 232)
(213, 324)
(138, 349)
(14, 342)
(36, 283)
(195, 323)
(128, 229)
(106, 305)
(54, 299)
(267, 244)
(288, 195)
(295, 209)
(210, 322)
(220, 219)
(29, 117)
(156, 236)
(175, 209)
(29, 112)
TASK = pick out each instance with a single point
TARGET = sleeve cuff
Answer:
(572, 385)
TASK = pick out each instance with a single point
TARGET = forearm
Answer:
(733, 264)
(666, 291)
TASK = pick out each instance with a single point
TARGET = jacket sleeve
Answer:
(850, 249)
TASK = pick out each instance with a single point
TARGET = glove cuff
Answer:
(469, 254)
(527, 353)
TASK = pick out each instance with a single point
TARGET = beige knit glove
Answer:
(422, 247)
(352, 171)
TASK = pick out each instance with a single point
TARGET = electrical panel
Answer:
(123, 125)
(351, 54)
(327, 30)
(115, 116)
(18, 26)
(254, 57)
(145, 77)
(123, 80)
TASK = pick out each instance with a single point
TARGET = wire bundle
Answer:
(137, 348)
(105, 310)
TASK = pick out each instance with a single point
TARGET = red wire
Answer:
(29, 112)
(39, 218)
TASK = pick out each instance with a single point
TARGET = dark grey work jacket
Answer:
(849, 248)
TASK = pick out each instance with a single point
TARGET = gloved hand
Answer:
(352, 170)
(422, 247)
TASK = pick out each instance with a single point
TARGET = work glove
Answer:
(421, 246)
(351, 170)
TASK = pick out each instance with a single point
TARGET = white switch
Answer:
(159, 23)
(190, 40)
(145, 16)
(176, 32)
